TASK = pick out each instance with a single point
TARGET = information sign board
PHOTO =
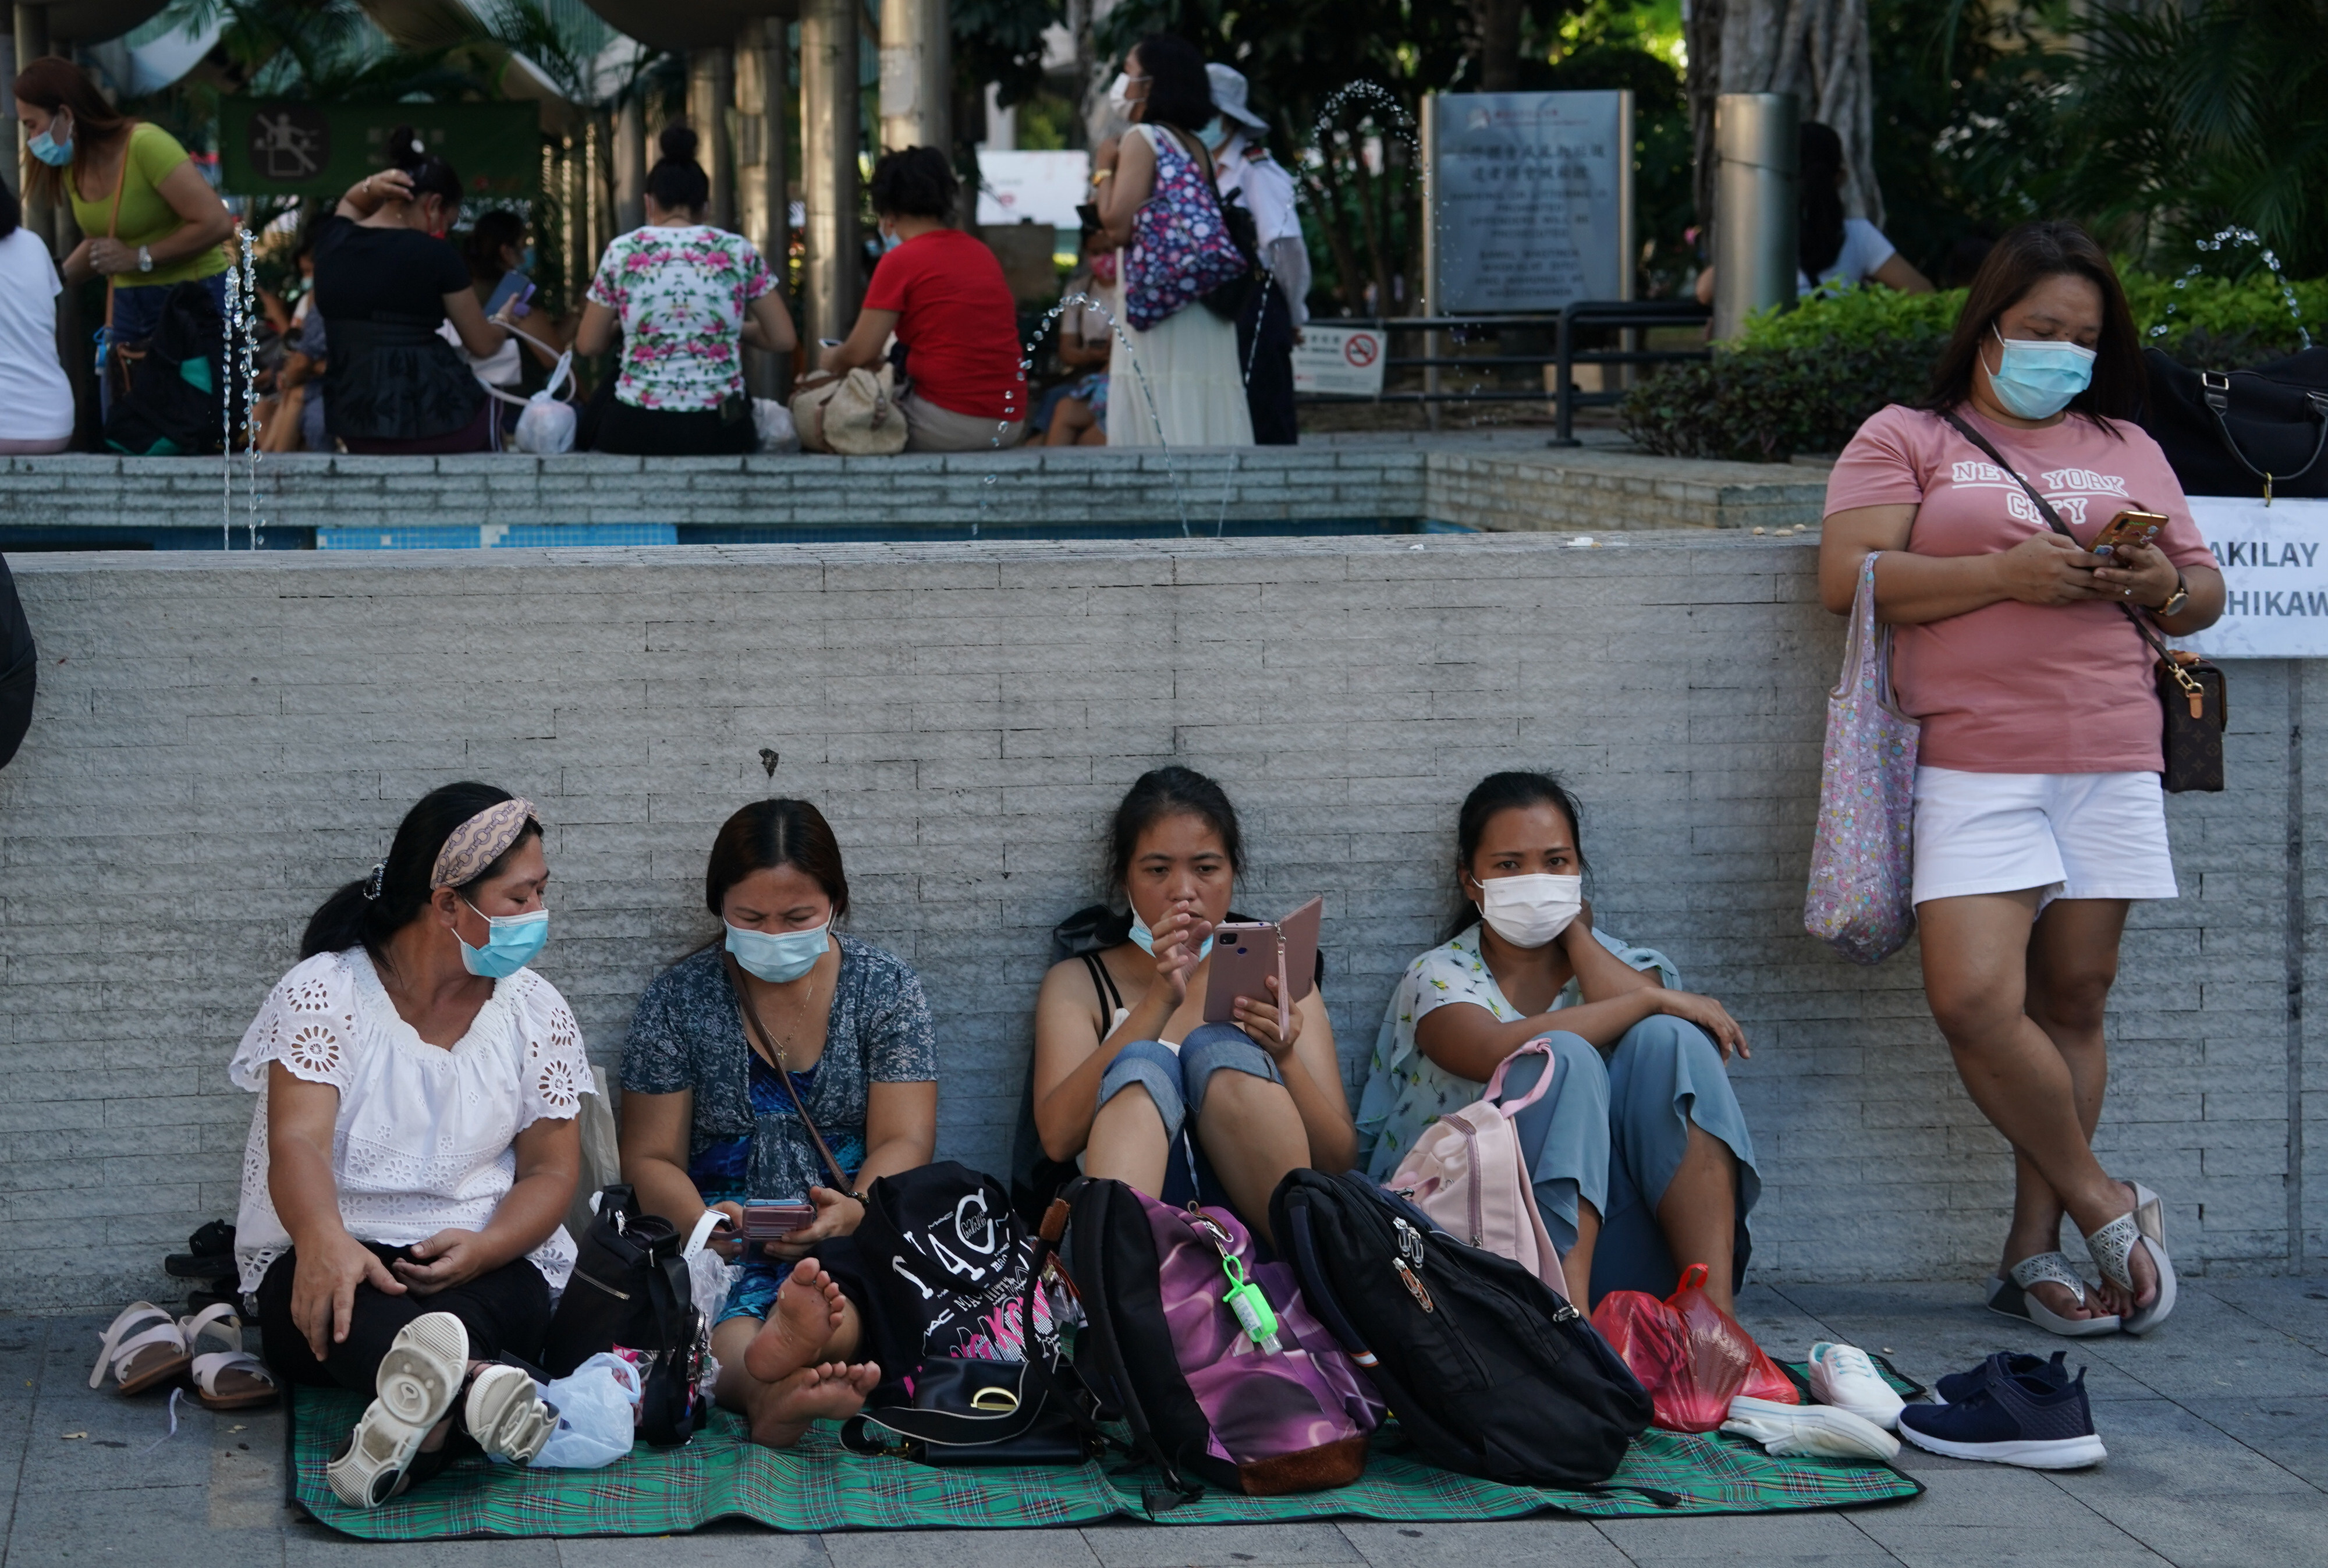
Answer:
(1044, 187)
(1340, 360)
(2275, 565)
(288, 148)
(1528, 198)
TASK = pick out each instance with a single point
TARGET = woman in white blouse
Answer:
(415, 1146)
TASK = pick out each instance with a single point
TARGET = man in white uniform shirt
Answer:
(1241, 160)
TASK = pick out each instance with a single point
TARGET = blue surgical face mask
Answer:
(526, 259)
(2035, 378)
(1145, 939)
(1214, 133)
(889, 240)
(50, 151)
(778, 956)
(516, 939)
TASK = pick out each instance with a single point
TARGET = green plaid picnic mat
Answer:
(819, 1486)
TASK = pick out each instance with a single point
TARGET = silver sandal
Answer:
(2113, 1245)
(2009, 1295)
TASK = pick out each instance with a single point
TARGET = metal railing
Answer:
(1564, 356)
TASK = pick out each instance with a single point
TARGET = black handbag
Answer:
(2193, 697)
(629, 1288)
(2259, 432)
(979, 1413)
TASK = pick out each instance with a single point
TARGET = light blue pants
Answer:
(1177, 1083)
(1613, 1132)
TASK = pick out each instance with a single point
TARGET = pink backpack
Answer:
(1466, 1171)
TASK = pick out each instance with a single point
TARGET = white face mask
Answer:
(1119, 93)
(1530, 911)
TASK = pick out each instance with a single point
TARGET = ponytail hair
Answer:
(374, 908)
(677, 182)
(431, 175)
(1504, 792)
(1171, 791)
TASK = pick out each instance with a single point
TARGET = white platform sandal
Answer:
(228, 1379)
(419, 1379)
(2113, 1245)
(2010, 1296)
(144, 1347)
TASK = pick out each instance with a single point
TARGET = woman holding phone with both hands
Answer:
(726, 1049)
(1124, 1062)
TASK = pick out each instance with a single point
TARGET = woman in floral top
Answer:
(685, 295)
(1639, 1154)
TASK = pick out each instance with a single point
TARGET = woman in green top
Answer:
(151, 218)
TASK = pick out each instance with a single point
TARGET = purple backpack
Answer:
(1181, 246)
(1167, 1346)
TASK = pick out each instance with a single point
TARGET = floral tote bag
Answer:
(1181, 247)
(1863, 857)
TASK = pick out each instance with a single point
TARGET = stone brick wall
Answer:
(221, 739)
(1498, 483)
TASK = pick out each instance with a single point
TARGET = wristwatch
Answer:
(145, 259)
(2175, 600)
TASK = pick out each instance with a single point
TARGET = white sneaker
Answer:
(419, 1378)
(506, 1415)
(1819, 1430)
(1842, 1376)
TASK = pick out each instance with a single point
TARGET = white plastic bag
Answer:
(775, 423)
(709, 1274)
(597, 1422)
(545, 428)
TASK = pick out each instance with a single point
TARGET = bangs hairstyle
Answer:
(349, 919)
(1169, 792)
(52, 84)
(770, 833)
(1180, 93)
(1504, 792)
(2018, 263)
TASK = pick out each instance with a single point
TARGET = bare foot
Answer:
(782, 1411)
(806, 1313)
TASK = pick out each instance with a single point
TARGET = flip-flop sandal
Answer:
(143, 1348)
(2010, 1296)
(419, 1381)
(2113, 1245)
(228, 1379)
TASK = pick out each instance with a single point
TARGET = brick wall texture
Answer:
(220, 740)
(1487, 483)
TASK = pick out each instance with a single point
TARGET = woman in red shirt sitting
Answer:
(942, 292)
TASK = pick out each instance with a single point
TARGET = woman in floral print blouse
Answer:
(1639, 1154)
(688, 299)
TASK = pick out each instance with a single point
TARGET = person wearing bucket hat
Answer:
(1238, 140)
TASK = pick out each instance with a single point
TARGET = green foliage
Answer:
(1000, 41)
(1804, 379)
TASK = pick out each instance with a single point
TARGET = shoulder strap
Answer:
(1110, 999)
(840, 1182)
(2045, 510)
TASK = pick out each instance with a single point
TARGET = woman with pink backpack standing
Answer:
(1638, 1154)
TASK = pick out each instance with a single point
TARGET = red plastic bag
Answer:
(1690, 1354)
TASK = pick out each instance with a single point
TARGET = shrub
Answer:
(1804, 379)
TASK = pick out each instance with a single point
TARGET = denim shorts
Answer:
(1177, 1082)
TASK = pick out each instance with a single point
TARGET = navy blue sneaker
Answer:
(2013, 1418)
(1959, 1386)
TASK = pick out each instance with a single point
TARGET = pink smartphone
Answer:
(773, 1222)
(1245, 954)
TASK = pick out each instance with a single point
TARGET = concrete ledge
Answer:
(1501, 481)
(219, 740)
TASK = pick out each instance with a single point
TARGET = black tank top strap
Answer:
(1110, 999)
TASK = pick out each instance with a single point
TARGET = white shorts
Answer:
(2074, 835)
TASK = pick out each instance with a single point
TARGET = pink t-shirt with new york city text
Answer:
(2016, 688)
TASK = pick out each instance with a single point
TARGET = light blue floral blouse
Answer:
(1405, 1090)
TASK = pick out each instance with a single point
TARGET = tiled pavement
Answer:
(2216, 1427)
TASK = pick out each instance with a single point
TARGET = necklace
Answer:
(799, 1018)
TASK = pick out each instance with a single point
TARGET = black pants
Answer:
(674, 433)
(506, 1312)
(1269, 382)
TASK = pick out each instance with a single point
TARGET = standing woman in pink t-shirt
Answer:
(2038, 815)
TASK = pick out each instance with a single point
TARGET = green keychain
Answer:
(1253, 1312)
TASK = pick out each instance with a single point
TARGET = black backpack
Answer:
(1486, 1370)
(629, 1288)
(2224, 432)
(165, 387)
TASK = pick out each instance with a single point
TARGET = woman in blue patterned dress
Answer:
(1639, 1154)
(709, 1122)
